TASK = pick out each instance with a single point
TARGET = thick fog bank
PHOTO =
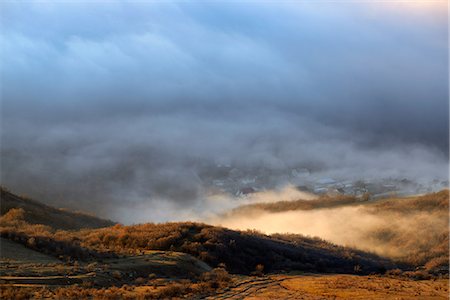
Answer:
(154, 111)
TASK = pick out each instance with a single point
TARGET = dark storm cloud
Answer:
(121, 104)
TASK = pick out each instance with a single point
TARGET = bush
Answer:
(259, 270)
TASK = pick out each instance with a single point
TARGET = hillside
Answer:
(195, 260)
(432, 201)
(39, 213)
(413, 230)
(323, 201)
(240, 251)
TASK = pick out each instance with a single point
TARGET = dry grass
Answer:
(239, 251)
(409, 230)
(140, 289)
(315, 286)
(324, 201)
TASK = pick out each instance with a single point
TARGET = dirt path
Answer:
(247, 287)
(46, 280)
(334, 287)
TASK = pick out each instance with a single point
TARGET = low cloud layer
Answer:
(114, 108)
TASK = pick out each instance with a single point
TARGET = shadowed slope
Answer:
(39, 213)
(240, 251)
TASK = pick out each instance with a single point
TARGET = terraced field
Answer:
(20, 266)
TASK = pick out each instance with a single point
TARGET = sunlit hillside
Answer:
(199, 260)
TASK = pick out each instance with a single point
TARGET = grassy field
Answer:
(13, 252)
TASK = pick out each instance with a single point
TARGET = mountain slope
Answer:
(240, 251)
(413, 230)
(39, 213)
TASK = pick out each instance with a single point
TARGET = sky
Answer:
(112, 105)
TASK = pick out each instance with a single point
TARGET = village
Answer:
(240, 183)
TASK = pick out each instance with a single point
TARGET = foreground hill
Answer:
(39, 213)
(240, 251)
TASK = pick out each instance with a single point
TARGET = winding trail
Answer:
(329, 286)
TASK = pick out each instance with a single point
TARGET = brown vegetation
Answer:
(39, 213)
(113, 262)
(427, 241)
(324, 201)
(427, 203)
(139, 289)
(411, 230)
(241, 252)
(43, 239)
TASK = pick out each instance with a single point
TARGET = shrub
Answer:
(259, 270)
